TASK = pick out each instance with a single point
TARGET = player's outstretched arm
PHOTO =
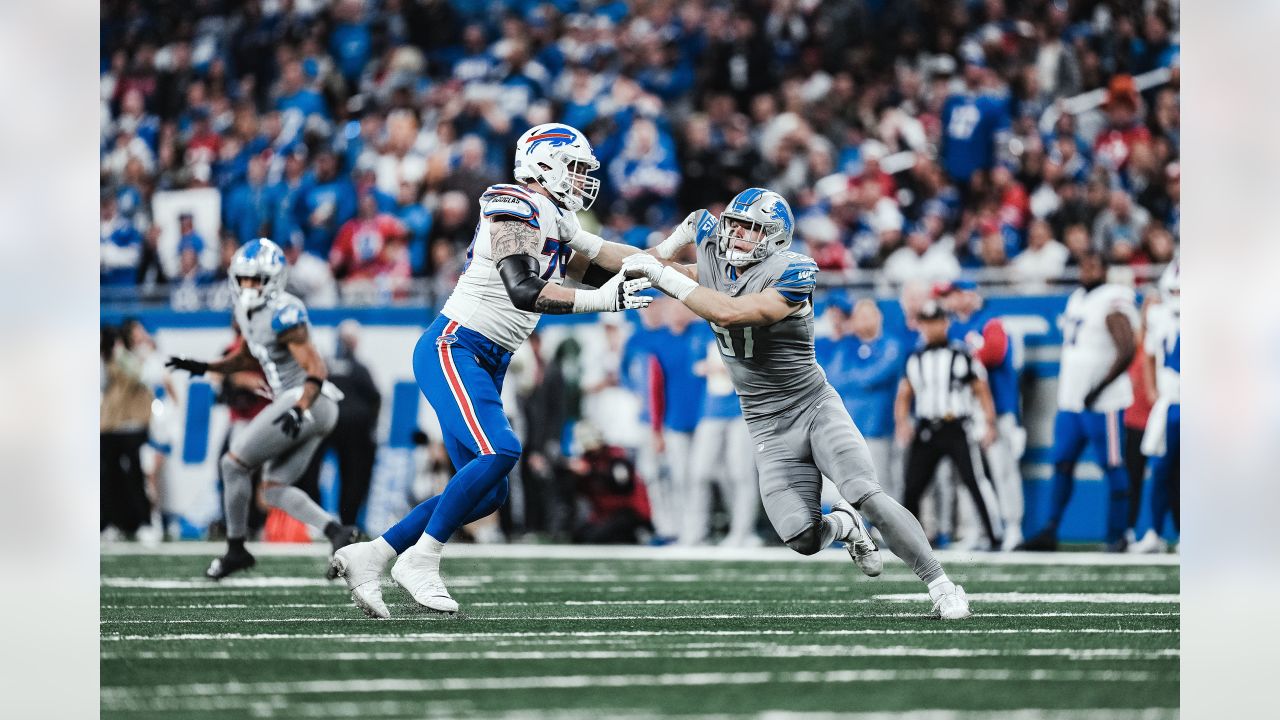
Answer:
(235, 361)
(609, 256)
(514, 246)
(680, 282)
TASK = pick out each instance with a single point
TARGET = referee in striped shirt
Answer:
(943, 380)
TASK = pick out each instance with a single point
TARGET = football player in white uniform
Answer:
(529, 256)
(1162, 442)
(1098, 343)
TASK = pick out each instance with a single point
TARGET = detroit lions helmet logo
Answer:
(557, 137)
(780, 213)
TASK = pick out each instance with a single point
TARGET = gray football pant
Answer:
(721, 454)
(794, 451)
(263, 443)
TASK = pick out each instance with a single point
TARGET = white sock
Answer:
(382, 550)
(429, 549)
(842, 522)
(940, 586)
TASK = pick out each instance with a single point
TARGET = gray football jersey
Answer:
(261, 329)
(773, 367)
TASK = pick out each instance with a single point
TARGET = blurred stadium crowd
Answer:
(918, 141)
(915, 139)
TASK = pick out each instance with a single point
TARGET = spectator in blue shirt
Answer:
(973, 125)
(295, 181)
(120, 247)
(326, 205)
(645, 174)
(297, 102)
(350, 42)
(417, 218)
(865, 370)
(250, 207)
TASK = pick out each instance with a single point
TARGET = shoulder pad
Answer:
(510, 202)
(289, 313)
(705, 227)
(798, 278)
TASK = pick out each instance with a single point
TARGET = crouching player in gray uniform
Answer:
(756, 295)
(285, 435)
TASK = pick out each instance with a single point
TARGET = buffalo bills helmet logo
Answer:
(557, 137)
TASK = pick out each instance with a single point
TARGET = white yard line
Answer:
(640, 552)
(370, 685)
(468, 637)
(608, 618)
(747, 650)
(1021, 597)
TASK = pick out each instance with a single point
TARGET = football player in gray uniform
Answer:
(756, 295)
(285, 435)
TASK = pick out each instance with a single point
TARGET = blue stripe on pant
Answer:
(461, 372)
(1072, 432)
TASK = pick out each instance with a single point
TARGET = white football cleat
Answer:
(859, 543)
(359, 566)
(422, 579)
(1151, 542)
(952, 605)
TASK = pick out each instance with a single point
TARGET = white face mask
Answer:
(738, 258)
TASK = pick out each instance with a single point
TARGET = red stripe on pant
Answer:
(460, 394)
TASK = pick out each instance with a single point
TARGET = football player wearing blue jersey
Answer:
(285, 435)
(757, 296)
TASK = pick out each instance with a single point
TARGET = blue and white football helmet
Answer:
(261, 259)
(763, 212)
(545, 154)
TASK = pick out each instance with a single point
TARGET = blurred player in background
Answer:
(757, 296)
(1162, 352)
(985, 337)
(1093, 390)
(282, 438)
(519, 260)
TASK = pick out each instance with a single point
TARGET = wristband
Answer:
(675, 283)
(313, 379)
(588, 244)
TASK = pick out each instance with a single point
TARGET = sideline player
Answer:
(283, 437)
(516, 267)
(756, 295)
(1162, 442)
(1098, 343)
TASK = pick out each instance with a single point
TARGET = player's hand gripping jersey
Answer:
(480, 300)
(1088, 349)
(773, 367)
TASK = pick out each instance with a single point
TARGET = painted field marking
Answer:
(467, 637)
(746, 650)
(1021, 597)
(382, 685)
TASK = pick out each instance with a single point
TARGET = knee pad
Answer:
(809, 541)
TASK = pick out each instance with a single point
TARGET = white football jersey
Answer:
(1088, 350)
(480, 301)
(1163, 342)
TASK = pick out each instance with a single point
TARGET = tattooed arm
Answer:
(515, 251)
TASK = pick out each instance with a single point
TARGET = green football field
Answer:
(553, 632)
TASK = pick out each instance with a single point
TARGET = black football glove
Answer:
(195, 367)
(291, 421)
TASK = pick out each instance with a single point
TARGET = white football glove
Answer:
(615, 295)
(572, 234)
(684, 234)
(667, 279)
